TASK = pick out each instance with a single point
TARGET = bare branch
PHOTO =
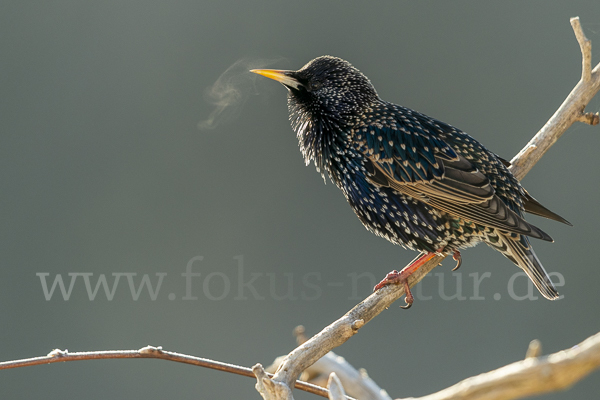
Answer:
(344, 328)
(529, 377)
(356, 383)
(58, 355)
(270, 389)
(336, 390)
(586, 49)
(571, 110)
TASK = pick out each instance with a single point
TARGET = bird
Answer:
(416, 181)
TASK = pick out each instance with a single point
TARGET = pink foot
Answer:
(396, 278)
(401, 277)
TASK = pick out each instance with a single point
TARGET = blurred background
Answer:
(105, 172)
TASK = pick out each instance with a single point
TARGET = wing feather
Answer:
(428, 169)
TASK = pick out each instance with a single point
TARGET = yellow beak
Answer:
(279, 75)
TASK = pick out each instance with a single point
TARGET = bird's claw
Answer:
(408, 298)
(396, 277)
(391, 277)
(458, 258)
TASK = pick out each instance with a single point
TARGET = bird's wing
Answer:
(407, 154)
(428, 169)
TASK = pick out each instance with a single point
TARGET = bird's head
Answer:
(325, 97)
(326, 88)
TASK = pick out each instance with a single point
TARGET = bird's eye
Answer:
(314, 85)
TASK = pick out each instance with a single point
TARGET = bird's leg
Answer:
(458, 258)
(401, 277)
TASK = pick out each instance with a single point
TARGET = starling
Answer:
(418, 182)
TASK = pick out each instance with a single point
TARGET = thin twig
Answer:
(585, 45)
(571, 110)
(58, 355)
(336, 390)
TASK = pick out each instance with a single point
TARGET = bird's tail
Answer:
(520, 252)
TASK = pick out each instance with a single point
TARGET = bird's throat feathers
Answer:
(320, 137)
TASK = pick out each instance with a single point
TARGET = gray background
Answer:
(104, 170)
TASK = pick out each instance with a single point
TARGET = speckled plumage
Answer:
(411, 179)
